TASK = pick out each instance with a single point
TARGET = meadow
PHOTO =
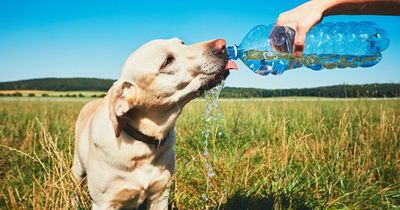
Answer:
(268, 154)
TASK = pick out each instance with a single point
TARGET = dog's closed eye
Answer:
(168, 60)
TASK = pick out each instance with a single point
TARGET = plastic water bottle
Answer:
(269, 49)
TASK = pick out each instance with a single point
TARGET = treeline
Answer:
(68, 95)
(59, 84)
(335, 91)
(93, 84)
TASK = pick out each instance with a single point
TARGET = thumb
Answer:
(299, 41)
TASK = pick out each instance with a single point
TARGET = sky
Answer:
(93, 38)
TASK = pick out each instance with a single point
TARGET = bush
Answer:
(31, 95)
(17, 94)
(81, 95)
(45, 95)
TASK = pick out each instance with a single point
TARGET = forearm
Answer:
(359, 7)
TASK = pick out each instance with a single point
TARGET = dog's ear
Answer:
(122, 99)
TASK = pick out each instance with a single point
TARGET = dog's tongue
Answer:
(230, 65)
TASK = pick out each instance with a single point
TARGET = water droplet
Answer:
(204, 197)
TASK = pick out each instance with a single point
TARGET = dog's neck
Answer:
(152, 124)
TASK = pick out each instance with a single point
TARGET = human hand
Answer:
(301, 19)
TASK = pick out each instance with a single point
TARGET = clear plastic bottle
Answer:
(269, 49)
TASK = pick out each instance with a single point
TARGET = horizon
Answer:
(225, 86)
(92, 39)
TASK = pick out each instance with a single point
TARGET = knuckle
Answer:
(299, 43)
(282, 17)
(302, 27)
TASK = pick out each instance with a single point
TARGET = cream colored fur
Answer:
(156, 81)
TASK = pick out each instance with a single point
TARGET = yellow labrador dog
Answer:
(124, 142)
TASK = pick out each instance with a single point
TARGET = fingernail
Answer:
(298, 50)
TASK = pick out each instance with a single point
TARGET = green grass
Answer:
(272, 154)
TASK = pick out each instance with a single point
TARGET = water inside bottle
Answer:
(265, 62)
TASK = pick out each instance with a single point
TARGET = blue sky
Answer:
(93, 38)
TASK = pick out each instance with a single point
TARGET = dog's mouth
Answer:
(218, 72)
(217, 68)
(213, 73)
(214, 79)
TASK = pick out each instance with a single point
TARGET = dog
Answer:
(124, 142)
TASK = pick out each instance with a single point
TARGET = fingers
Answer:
(299, 41)
(278, 39)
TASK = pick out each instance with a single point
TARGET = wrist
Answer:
(322, 6)
(326, 7)
(331, 6)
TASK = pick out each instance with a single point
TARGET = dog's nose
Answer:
(219, 46)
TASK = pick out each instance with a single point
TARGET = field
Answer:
(268, 154)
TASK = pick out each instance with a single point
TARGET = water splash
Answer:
(212, 125)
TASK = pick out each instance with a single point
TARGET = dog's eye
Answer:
(182, 42)
(168, 61)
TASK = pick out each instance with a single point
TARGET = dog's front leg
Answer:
(98, 207)
(158, 201)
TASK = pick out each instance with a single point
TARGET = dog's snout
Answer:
(219, 46)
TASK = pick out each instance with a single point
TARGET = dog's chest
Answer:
(122, 153)
(129, 179)
(128, 190)
(130, 171)
(136, 161)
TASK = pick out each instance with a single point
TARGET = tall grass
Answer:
(272, 154)
(36, 153)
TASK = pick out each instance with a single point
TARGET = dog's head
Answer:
(163, 75)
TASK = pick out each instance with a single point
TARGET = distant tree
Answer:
(45, 95)
(31, 95)
(17, 94)
(59, 84)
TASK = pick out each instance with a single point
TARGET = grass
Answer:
(271, 154)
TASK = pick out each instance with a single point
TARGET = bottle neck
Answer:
(232, 52)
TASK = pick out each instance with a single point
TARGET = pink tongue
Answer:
(230, 65)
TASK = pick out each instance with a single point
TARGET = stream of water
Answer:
(212, 127)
